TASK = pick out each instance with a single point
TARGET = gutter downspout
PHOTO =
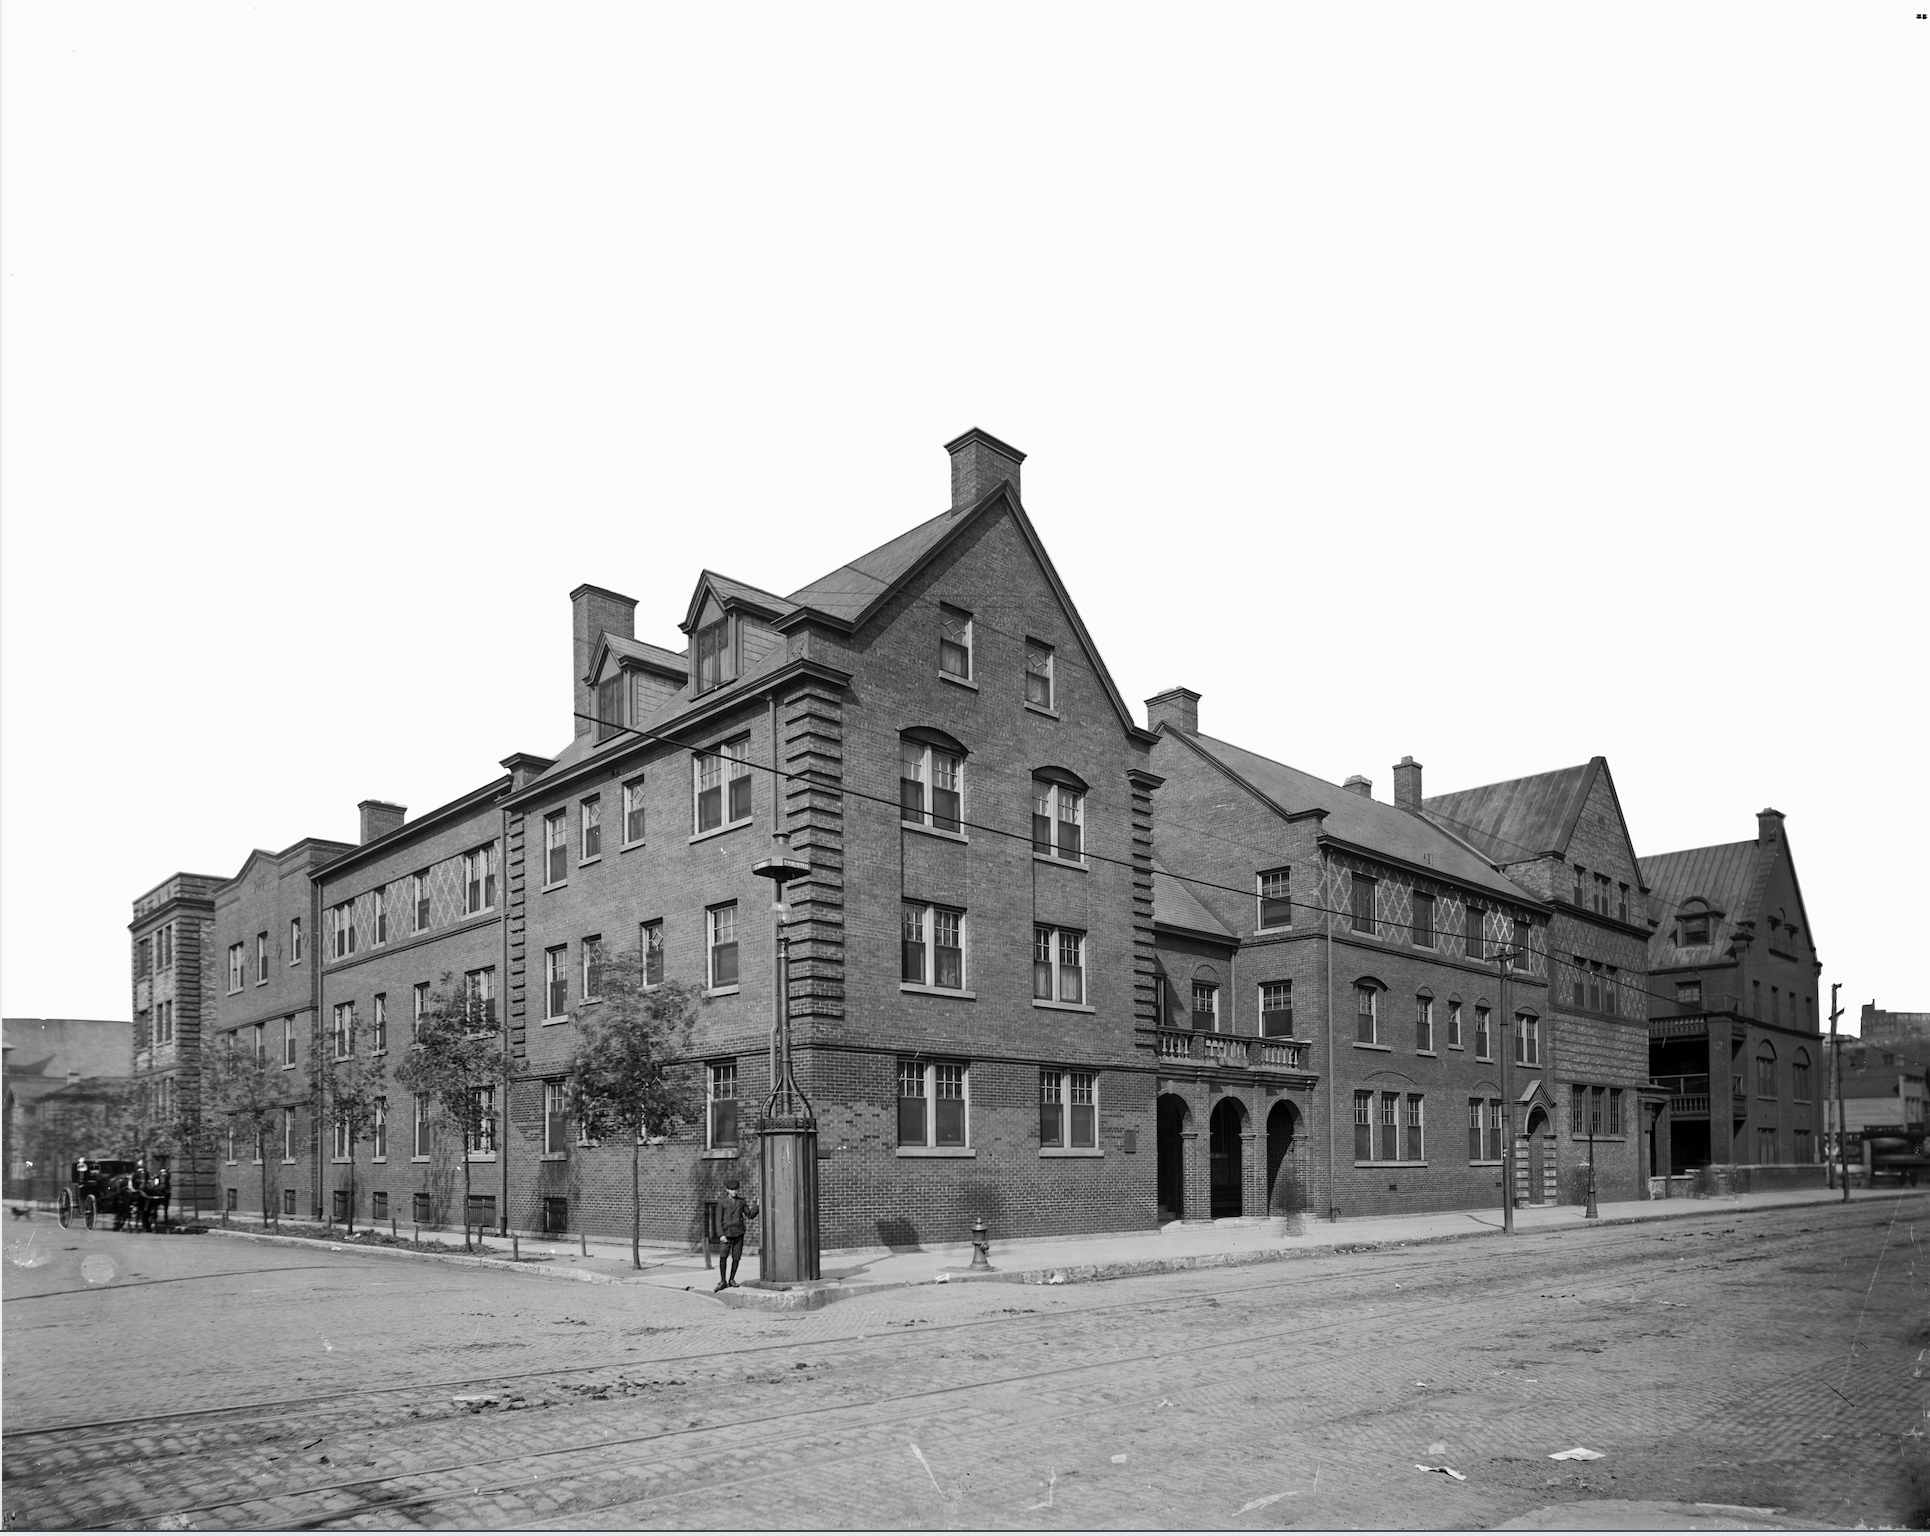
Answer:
(315, 1030)
(1333, 1205)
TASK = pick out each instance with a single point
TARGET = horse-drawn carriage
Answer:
(126, 1190)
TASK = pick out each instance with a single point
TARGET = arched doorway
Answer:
(1537, 1135)
(1172, 1118)
(1285, 1193)
(1228, 1120)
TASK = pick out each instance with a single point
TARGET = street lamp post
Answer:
(1506, 956)
(787, 1130)
(1591, 1213)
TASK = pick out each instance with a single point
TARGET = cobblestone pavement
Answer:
(1775, 1360)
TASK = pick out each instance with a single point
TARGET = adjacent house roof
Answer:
(1518, 819)
(1175, 906)
(851, 590)
(1351, 818)
(1723, 876)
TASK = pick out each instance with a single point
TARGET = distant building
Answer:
(1740, 1050)
(1906, 1031)
(55, 1071)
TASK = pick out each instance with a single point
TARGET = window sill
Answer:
(1052, 858)
(560, 1018)
(1072, 1152)
(482, 1157)
(1040, 1002)
(1581, 1137)
(1391, 1163)
(290, 1162)
(554, 885)
(719, 1154)
(553, 1157)
(1484, 1162)
(730, 990)
(729, 826)
(1365, 1045)
(595, 858)
(1262, 933)
(923, 990)
(1457, 1047)
(937, 1151)
(919, 826)
(639, 843)
(1042, 709)
(419, 1159)
(343, 1162)
(288, 1066)
(958, 682)
(382, 1159)
(1435, 1054)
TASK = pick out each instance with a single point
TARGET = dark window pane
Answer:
(710, 809)
(951, 1123)
(1049, 1125)
(945, 809)
(1363, 1142)
(740, 798)
(949, 967)
(913, 957)
(725, 962)
(1041, 834)
(911, 800)
(1085, 1125)
(911, 1122)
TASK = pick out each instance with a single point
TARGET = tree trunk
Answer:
(260, 1141)
(465, 1189)
(351, 1188)
(636, 1209)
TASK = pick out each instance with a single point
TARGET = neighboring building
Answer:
(263, 947)
(972, 951)
(1562, 836)
(175, 989)
(1331, 994)
(61, 1078)
(418, 909)
(1902, 1031)
(1741, 1052)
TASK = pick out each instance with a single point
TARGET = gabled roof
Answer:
(1723, 876)
(850, 592)
(1174, 906)
(731, 593)
(1369, 824)
(657, 657)
(1518, 819)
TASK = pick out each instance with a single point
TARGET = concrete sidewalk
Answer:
(1065, 1260)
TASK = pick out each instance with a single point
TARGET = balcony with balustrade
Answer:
(1266, 1058)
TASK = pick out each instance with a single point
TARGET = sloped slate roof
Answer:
(853, 587)
(1353, 818)
(1178, 907)
(728, 586)
(1518, 819)
(642, 650)
(1723, 876)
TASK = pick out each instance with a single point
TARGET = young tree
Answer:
(457, 1058)
(622, 1082)
(246, 1093)
(348, 1095)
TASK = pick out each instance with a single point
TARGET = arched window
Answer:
(1527, 1040)
(1799, 1075)
(1766, 1070)
(1058, 814)
(1695, 923)
(1424, 1020)
(1367, 993)
(931, 779)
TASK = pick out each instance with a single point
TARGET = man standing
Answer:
(735, 1211)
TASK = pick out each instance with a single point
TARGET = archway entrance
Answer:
(1537, 1156)
(1229, 1119)
(1173, 1114)
(1285, 1193)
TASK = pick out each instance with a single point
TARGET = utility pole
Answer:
(1836, 1071)
(1506, 956)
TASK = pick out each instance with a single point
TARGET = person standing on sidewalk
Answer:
(732, 1215)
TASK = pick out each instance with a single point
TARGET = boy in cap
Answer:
(732, 1215)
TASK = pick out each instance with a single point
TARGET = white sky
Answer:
(1502, 384)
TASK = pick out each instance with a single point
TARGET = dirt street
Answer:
(1772, 1361)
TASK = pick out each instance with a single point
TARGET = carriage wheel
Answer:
(65, 1210)
(90, 1213)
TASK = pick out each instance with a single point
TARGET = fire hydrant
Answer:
(981, 1244)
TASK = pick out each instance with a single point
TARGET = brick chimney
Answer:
(1769, 826)
(379, 818)
(1407, 785)
(595, 611)
(1359, 786)
(524, 766)
(979, 462)
(1177, 707)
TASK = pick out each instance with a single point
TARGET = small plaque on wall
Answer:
(1129, 1141)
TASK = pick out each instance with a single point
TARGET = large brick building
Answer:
(1334, 1021)
(1733, 1030)
(174, 986)
(1562, 835)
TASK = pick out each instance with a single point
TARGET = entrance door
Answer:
(1537, 1155)
(1228, 1119)
(1171, 1174)
(1284, 1194)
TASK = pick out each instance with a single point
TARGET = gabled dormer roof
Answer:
(732, 596)
(652, 658)
(1371, 826)
(1519, 820)
(1729, 880)
(1176, 907)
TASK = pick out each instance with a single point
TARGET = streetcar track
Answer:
(135, 1285)
(894, 1405)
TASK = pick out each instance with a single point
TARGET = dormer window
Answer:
(1695, 928)
(955, 643)
(609, 707)
(716, 656)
